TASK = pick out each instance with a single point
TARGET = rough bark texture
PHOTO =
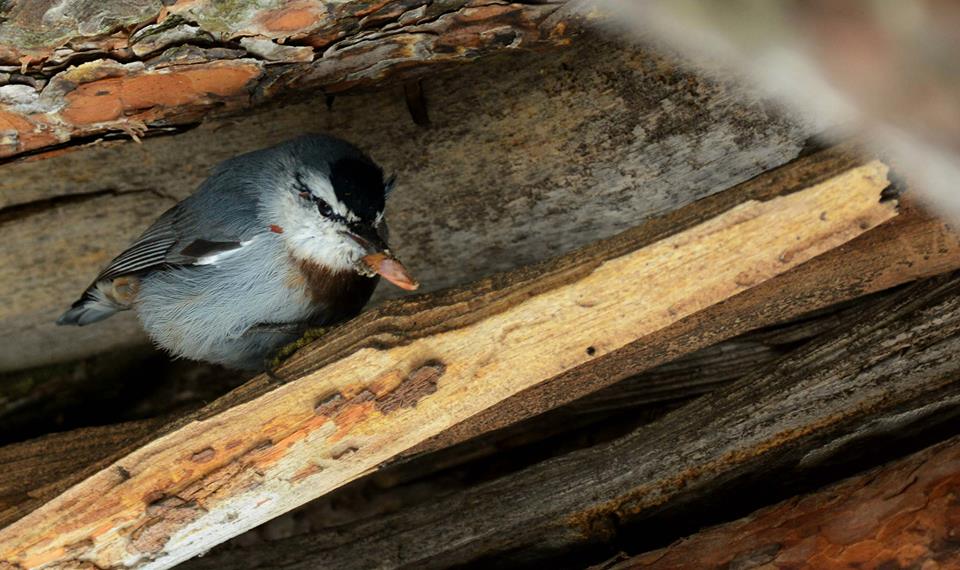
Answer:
(527, 157)
(881, 375)
(386, 382)
(87, 69)
(901, 515)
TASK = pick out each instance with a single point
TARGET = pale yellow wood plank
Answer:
(192, 488)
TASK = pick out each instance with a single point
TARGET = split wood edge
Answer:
(212, 479)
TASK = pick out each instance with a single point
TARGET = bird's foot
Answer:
(283, 328)
(309, 335)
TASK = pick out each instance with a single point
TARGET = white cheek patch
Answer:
(321, 187)
(311, 236)
(306, 233)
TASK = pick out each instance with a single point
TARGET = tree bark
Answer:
(396, 376)
(136, 68)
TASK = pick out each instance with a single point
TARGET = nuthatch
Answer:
(275, 241)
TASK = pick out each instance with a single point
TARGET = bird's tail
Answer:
(99, 301)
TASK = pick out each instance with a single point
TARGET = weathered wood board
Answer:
(33, 467)
(393, 379)
(891, 371)
(909, 247)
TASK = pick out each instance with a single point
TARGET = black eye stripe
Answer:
(326, 211)
(323, 207)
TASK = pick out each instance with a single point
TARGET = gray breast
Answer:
(205, 312)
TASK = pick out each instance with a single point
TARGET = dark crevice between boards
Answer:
(129, 384)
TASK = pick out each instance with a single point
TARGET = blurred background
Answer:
(885, 70)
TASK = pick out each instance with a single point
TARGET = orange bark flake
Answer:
(295, 18)
(110, 99)
(13, 122)
(94, 102)
(222, 80)
(35, 140)
(372, 8)
(156, 90)
(30, 135)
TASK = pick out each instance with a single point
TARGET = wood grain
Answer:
(891, 371)
(918, 246)
(633, 402)
(589, 421)
(29, 466)
(256, 455)
(912, 246)
(901, 515)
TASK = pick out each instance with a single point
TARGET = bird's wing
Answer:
(176, 238)
(184, 235)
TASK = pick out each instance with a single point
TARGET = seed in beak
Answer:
(390, 269)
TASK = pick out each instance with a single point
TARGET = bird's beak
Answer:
(384, 264)
(379, 260)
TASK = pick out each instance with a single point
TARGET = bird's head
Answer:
(329, 209)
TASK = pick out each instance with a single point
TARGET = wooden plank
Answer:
(924, 245)
(28, 467)
(901, 515)
(589, 421)
(909, 247)
(34, 466)
(892, 370)
(912, 246)
(396, 376)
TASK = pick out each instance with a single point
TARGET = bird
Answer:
(274, 242)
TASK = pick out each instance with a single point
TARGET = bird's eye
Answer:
(323, 208)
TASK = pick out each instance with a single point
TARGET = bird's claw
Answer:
(286, 351)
